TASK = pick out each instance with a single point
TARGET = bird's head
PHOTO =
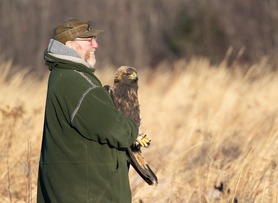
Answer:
(126, 75)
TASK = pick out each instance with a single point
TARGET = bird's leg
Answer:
(142, 140)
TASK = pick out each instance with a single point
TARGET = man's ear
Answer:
(69, 44)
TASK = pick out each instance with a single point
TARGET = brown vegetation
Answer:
(214, 132)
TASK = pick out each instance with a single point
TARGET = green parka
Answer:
(83, 156)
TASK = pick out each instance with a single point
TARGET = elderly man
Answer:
(83, 152)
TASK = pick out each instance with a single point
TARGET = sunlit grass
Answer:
(211, 127)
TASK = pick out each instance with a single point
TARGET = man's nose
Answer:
(94, 43)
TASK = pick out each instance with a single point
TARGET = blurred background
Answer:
(213, 123)
(144, 33)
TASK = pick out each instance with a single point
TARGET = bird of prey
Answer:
(125, 97)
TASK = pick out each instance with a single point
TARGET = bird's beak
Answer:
(133, 76)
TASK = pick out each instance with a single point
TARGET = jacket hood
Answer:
(58, 55)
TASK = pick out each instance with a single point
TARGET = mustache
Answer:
(88, 53)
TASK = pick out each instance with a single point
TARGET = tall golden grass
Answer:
(214, 132)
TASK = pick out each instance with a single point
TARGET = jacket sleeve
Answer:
(97, 119)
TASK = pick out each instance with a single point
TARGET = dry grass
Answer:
(214, 133)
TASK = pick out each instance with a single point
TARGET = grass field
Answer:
(214, 132)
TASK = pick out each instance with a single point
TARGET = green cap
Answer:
(73, 28)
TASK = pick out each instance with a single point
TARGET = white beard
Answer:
(91, 60)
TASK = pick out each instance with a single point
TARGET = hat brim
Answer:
(91, 33)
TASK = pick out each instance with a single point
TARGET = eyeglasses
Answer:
(86, 39)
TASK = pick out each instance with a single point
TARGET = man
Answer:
(83, 156)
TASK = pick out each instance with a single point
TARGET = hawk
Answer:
(125, 98)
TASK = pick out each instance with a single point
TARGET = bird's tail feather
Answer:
(136, 159)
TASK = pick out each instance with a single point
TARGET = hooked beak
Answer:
(133, 76)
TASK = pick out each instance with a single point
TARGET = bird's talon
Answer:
(143, 141)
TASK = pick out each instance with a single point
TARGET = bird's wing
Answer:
(138, 162)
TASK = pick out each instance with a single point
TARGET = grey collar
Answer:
(59, 50)
(56, 47)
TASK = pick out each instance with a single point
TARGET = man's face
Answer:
(86, 47)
